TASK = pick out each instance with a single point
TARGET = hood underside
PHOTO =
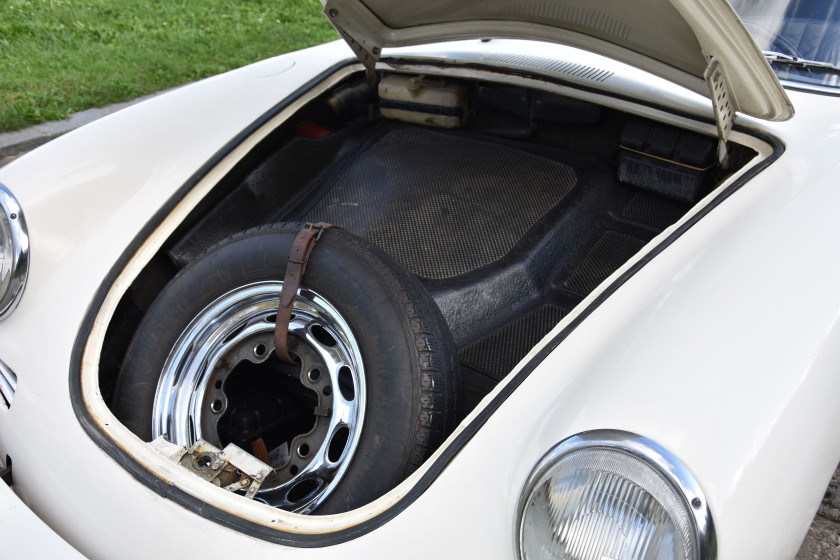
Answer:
(684, 41)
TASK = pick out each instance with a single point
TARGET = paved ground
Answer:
(13, 144)
(8, 159)
(823, 540)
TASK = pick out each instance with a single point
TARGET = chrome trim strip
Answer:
(8, 383)
(816, 88)
(13, 215)
(651, 452)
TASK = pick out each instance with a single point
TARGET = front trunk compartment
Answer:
(509, 221)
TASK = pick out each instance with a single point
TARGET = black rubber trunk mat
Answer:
(611, 251)
(506, 240)
(440, 204)
(654, 210)
(496, 354)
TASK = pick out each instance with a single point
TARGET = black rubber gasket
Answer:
(337, 537)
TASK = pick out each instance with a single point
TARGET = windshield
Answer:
(800, 38)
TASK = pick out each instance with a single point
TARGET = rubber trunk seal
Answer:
(343, 535)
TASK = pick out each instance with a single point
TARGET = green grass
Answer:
(58, 57)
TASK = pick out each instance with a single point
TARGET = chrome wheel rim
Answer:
(222, 383)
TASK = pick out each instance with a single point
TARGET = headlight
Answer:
(610, 495)
(14, 252)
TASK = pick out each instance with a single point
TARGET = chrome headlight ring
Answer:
(615, 495)
(14, 252)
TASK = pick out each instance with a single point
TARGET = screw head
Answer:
(333, 12)
(696, 502)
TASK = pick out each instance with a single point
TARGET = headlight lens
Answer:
(14, 252)
(610, 495)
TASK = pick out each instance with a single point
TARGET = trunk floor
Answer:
(443, 205)
(507, 237)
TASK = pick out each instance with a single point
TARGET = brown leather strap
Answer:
(299, 256)
(260, 450)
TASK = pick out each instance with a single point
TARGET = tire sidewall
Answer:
(366, 287)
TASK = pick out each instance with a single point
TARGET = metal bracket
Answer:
(365, 49)
(232, 468)
(724, 109)
(368, 57)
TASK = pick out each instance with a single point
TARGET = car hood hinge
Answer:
(364, 48)
(724, 110)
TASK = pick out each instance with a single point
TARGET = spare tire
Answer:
(376, 386)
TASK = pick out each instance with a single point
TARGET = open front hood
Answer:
(700, 44)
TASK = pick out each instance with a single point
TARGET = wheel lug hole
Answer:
(203, 461)
(217, 406)
(293, 470)
(259, 350)
(314, 375)
(327, 390)
(303, 449)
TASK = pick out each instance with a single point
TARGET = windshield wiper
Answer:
(804, 63)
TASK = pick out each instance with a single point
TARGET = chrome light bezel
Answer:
(8, 385)
(648, 451)
(13, 215)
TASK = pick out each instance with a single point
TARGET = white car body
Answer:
(744, 394)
